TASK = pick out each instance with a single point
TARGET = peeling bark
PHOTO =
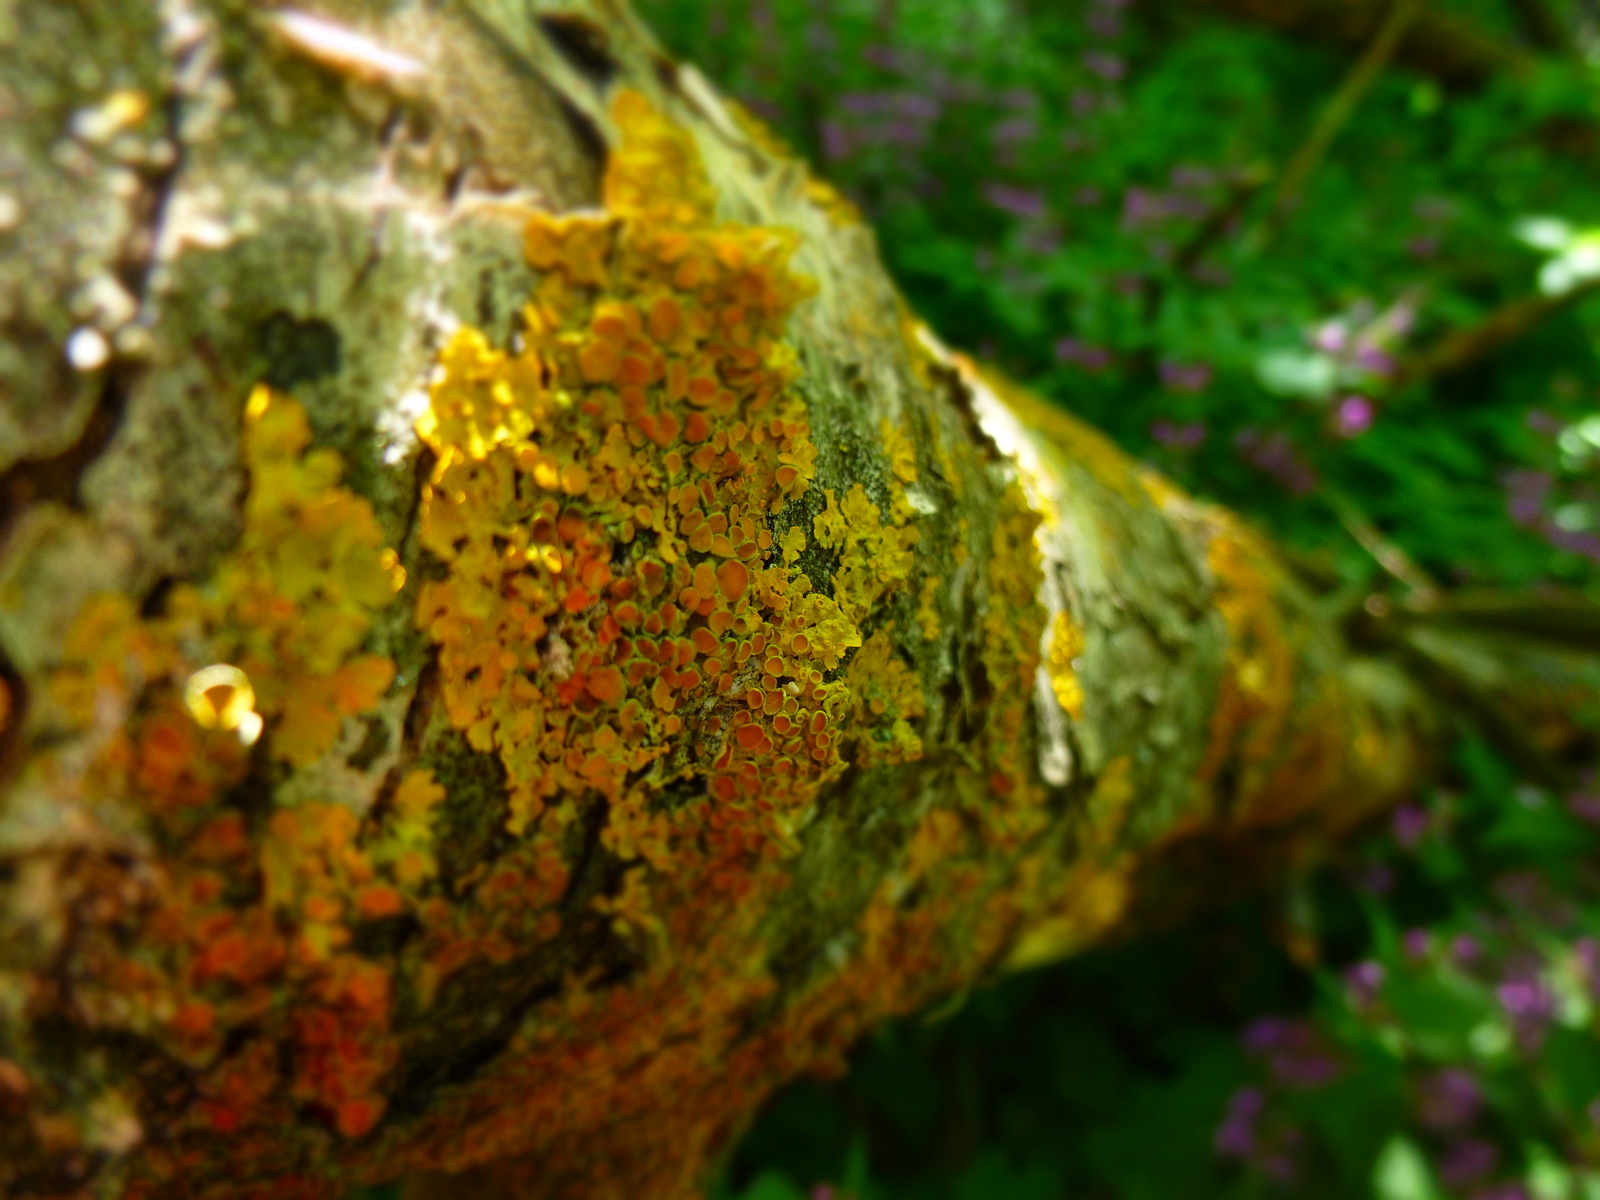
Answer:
(357, 819)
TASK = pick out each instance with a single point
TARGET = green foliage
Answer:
(1085, 193)
(1088, 194)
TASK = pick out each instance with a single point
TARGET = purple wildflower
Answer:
(1448, 1100)
(1331, 337)
(1185, 378)
(1110, 67)
(1417, 943)
(1467, 1161)
(1022, 203)
(1363, 982)
(1293, 1051)
(1082, 354)
(1354, 416)
(1275, 454)
(1236, 1136)
(1526, 493)
(1410, 824)
(1106, 25)
(1178, 437)
(1526, 1000)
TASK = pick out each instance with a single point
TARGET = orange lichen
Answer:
(269, 648)
(615, 613)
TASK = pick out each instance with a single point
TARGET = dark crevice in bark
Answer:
(583, 44)
(15, 700)
(589, 858)
(57, 478)
(585, 133)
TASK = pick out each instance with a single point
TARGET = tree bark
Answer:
(516, 643)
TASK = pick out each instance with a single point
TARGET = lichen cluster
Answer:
(653, 635)
(197, 957)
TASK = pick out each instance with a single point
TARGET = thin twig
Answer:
(1454, 51)
(1456, 351)
(1544, 29)
(1291, 184)
(1387, 555)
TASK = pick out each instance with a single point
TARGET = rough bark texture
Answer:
(516, 643)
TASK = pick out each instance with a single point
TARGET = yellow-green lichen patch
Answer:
(875, 557)
(265, 655)
(615, 612)
(888, 697)
(1013, 634)
(1066, 643)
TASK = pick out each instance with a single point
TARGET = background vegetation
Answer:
(1345, 297)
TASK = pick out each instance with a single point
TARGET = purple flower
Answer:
(1236, 1136)
(885, 58)
(918, 107)
(1192, 177)
(1448, 1100)
(906, 132)
(1275, 454)
(1526, 1000)
(1467, 1161)
(1526, 493)
(1586, 955)
(820, 38)
(1585, 804)
(1375, 879)
(1363, 982)
(837, 141)
(1293, 1051)
(1544, 422)
(1022, 203)
(1354, 416)
(1331, 337)
(1417, 943)
(1178, 437)
(1082, 354)
(1410, 824)
(1373, 360)
(1106, 25)
(1015, 129)
(864, 104)
(1465, 950)
(1185, 378)
(1502, 1191)
(1110, 67)
(1423, 248)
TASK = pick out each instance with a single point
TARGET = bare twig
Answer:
(1447, 48)
(1544, 29)
(1387, 555)
(1337, 114)
(1461, 349)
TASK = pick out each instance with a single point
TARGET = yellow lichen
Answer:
(875, 558)
(888, 697)
(928, 609)
(1065, 645)
(616, 612)
(902, 453)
